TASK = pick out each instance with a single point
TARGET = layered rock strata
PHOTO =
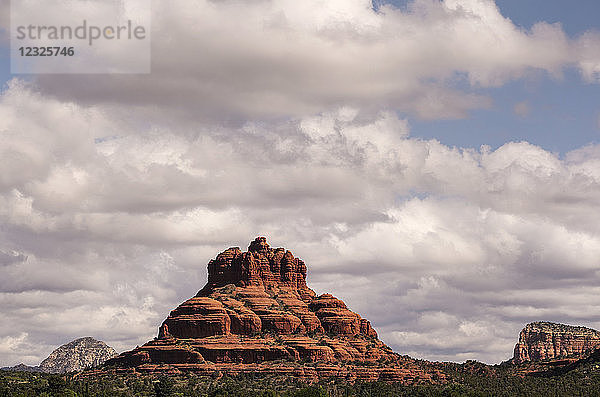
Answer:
(541, 341)
(256, 314)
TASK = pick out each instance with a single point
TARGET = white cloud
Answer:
(284, 58)
(114, 198)
(118, 230)
(589, 59)
(10, 344)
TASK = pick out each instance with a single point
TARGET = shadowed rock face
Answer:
(256, 314)
(547, 341)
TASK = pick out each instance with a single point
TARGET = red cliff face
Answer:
(256, 314)
(548, 341)
(261, 266)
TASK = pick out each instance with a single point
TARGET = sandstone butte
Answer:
(544, 341)
(257, 315)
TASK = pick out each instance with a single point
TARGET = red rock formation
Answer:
(260, 266)
(549, 341)
(256, 314)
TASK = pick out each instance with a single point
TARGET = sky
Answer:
(435, 163)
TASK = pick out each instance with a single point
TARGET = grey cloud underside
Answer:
(8, 258)
(113, 198)
(121, 235)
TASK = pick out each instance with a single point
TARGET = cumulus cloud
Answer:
(11, 343)
(114, 220)
(284, 121)
(237, 60)
(443, 265)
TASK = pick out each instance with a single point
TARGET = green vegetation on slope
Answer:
(469, 379)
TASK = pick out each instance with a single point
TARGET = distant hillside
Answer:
(22, 367)
(77, 355)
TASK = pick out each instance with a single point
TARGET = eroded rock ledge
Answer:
(540, 341)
